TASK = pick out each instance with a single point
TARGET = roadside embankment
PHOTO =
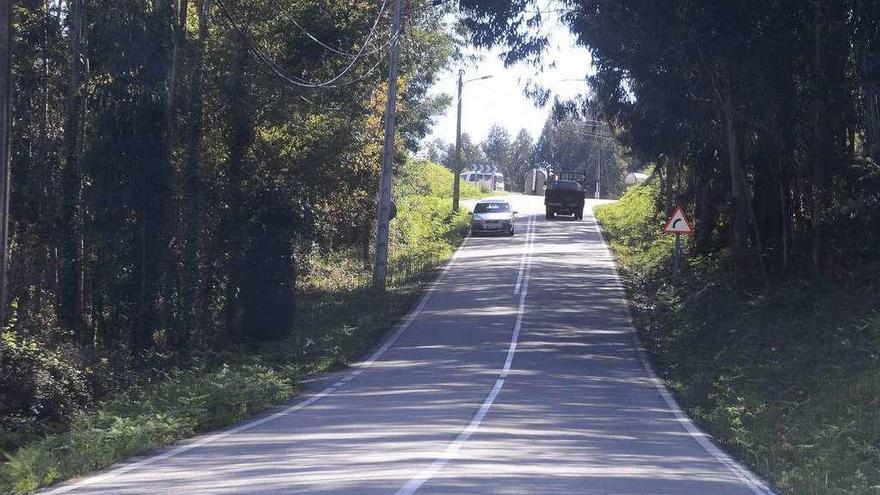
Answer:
(786, 376)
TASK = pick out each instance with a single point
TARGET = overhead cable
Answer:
(298, 81)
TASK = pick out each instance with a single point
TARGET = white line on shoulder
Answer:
(746, 476)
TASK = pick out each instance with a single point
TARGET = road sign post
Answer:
(677, 255)
(678, 224)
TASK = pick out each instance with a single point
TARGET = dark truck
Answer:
(564, 197)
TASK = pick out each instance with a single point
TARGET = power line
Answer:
(580, 129)
(330, 48)
(363, 46)
(298, 81)
(395, 41)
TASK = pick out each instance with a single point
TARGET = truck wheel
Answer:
(579, 216)
(548, 214)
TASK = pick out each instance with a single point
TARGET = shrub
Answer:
(146, 417)
(635, 228)
(39, 386)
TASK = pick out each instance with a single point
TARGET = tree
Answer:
(471, 153)
(70, 301)
(496, 147)
(437, 151)
(522, 156)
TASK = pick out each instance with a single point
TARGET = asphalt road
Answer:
(518, 373)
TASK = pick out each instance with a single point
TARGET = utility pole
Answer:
(597, 157)
(456, 185)
(599, 175)
(5, 153)
(381, 269)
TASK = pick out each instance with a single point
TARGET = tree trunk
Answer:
(5, 153)
(706, 204)
(869, 44)
(155, 216)
(784, 218)
(739, 217)
(241, 136)
(743, 213)
(872, 121)
(70, 228)
(42, 163)
(179, 10)
(192, 200)
(820, 150)
(171, 105)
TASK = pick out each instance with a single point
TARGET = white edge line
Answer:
(359, 368)
(754, 483)
(452, 449)
(522, 261)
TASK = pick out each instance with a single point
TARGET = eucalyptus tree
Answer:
(522, 156)
(496, 148)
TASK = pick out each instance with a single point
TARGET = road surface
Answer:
(518, 373)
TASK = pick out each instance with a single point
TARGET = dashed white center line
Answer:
(451, 451)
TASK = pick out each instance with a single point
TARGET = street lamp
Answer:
(457, 183)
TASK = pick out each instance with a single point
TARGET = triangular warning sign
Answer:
(678, 223)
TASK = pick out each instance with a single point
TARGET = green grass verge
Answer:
(336, 327)
(786, 378)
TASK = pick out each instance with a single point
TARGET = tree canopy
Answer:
(760, 117)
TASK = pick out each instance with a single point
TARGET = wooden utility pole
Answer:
(456, 184)
(5, 153)
(380, 272)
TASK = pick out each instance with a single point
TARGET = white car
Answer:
(493, 216)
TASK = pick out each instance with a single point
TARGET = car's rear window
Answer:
(491, 207)
(565, 185)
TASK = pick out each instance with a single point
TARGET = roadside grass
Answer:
(146, 417)
(336, 327)
(339, 318)
(786, 378)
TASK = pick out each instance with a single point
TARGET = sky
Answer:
(501, 99)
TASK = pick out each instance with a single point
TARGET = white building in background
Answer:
(485, 177)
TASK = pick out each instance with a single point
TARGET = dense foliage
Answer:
(512, 157)
(172, 177)
(339, 317)
(761, 116)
